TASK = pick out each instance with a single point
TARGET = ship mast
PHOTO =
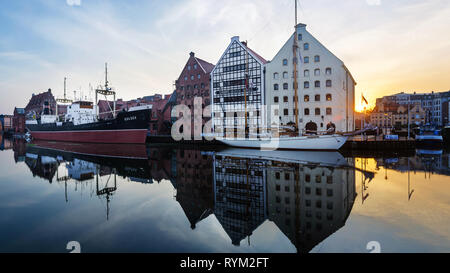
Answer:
(107, 91)
(246, 89)
(63, 100)
(295, 48)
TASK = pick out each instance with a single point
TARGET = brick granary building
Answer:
(194, 81)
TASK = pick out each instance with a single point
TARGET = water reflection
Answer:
(308, 196)
(307, 201)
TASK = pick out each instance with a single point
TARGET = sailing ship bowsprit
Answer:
(81, 123)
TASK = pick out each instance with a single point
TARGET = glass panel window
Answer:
(306, 73)
(305, 46)
(317, 84)
(317, 72)
(317, 58)
(306, 84)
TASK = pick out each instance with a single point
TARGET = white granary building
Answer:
(326, 88)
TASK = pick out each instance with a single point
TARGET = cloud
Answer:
(373, 2)
(73, 2)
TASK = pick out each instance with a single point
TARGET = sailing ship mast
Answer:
(295, 48)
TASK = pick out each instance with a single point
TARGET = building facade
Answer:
(194, 81)
(326, 88)
(435, 105)
(238, 87)
(19, 120)
(396, 115)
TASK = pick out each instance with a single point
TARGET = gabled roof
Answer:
(252, 53)
(207, 67)
(264, 61)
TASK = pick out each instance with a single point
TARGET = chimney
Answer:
(244, 43)
(192, 54)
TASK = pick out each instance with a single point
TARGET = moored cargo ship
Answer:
(81, 123)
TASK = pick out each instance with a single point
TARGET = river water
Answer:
(115, 198)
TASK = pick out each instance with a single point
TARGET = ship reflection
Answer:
(307, 198)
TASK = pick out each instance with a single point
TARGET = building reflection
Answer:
(308, 202)
(426, 161)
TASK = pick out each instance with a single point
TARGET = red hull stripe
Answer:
(112, 136)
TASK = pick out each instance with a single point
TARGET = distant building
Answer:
(389, 115)
(38, 103)
(194, 81)
(326, 88)
(435, 105)
(19, 120)
(6, 123)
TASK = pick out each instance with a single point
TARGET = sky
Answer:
(389, 46)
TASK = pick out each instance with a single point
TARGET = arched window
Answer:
(306, 98)
(285, 99)
(306, 73)
(317, 84)
(328, 83)
(276, 87)
(317, 97)
(306, 85)
(306, 111)
(316, 58)
(317, 72)
(285, 75)
(329, 98)
(275, 76)
(305, 46)
(306, 60)
(198, 76)
(285, 86)
(328, 71)
(285, 62)
(317, 111)
(300, 37)
(329, 111)
(275, 99)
